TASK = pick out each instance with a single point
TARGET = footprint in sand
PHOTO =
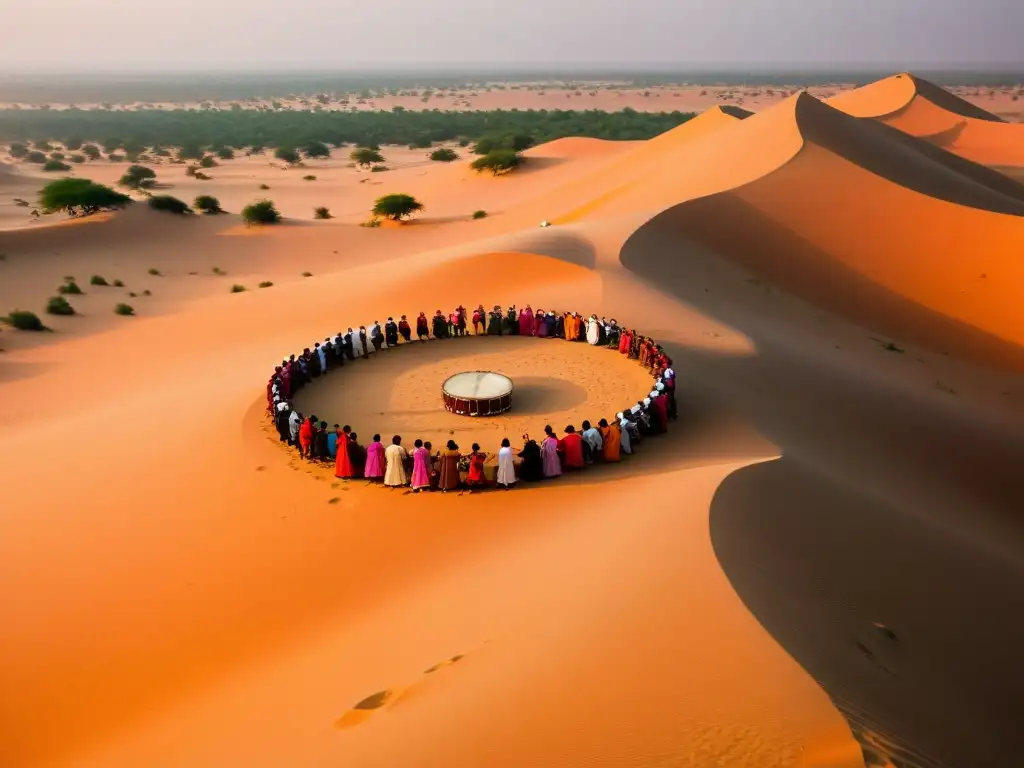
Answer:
(389, 697)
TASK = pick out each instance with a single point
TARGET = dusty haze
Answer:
(313, 33)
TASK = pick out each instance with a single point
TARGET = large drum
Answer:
(477, 393)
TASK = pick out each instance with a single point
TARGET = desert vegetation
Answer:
(498, 162)
(261, 212)
(80, 197)
(169, 204)
(207, 204)
(138, 177)
(396, 206)
(444, 155)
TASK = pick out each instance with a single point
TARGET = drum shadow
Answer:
(535, 395)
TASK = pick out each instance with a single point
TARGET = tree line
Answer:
(260, 128)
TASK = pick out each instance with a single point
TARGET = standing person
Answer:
(494, 321)
(659, 411)
(432, 464)
(376, 336)
(374, 460)
(625, 339)
(460, 320)
(506, 465)
(322, 352)
(404, 329)
(281, 418)
(532, 467)
(476, 468)
(313, 360)
(356, 344)
(391, 332)
(569, 326)
(332, 442)
(550, 324)
(364, 346)
(593, 331)
(306, 433)
(348, 344)
(611, 437)
(540, 325)
(549, 454)
(592, 437)
(342, 460)
(420, 467)
(449, 467)
(356, 455)
(320, 450)
(394, 458)
(294, 423)
(478, 320)
(422, 327)
(526, 322)
(440, 326)
(512, 321)
(571, 448)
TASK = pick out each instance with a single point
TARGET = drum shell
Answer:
(470, 406)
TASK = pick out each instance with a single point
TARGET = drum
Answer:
(477, 393)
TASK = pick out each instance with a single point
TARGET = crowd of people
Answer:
(449, 468)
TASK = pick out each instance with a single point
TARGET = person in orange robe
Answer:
(612, 436)
(475, 478)
(343, 459)
(571, 449)
(306, 433)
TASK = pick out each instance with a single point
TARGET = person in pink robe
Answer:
(549, 454)
(538, 323)
(420, 467)
(375, 460)
(526, 322)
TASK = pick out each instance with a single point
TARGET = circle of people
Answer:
(450, 469)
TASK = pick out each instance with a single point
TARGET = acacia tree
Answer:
(444, 155)
(365, 156)
(317, 149)
(207, 204)
(498, 162)
(138, 177)
(396, 206)
(80, 197)
(287, 154)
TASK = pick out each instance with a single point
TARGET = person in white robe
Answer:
(354, 343)
(506, 476)
(592, 437)
(395, 457)
(593, 331)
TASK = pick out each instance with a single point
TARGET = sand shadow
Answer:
(537, 395)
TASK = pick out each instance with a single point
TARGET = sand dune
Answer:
(922, 109)
(840, 298)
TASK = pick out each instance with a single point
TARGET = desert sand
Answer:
(820, 565)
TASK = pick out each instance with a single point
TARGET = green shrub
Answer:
(35, 156)
(479, 214)
(498, 162)
(115, 158)
(261, 212)
(379, 169)
(73, 144)
(137, 176)
(317, 149)
(78, 159)
(226, 153)
(266, 284)
(321, 213)
(207, 204)
(444, 155)
(365, 156)
(98, 280)
(56, 155)
(25, 321)
(287, 154)
(517, 142)
(208, 161)
(92, 152)
(80, 196)
(17, 150)
(70, 288)
(169, 204)
(124, 309)
(236, 288)
(42, 144)
(396, 206)
(55, 165)
(58, 305)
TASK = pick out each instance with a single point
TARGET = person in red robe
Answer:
(526, 321)
(404, 329)
(422, 327)
(475, 478)
(306, 434)
(343, 462)
(625, 340)
(571, 449)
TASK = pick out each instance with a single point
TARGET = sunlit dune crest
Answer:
(775, 582)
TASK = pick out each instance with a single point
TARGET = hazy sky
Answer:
(289, 34)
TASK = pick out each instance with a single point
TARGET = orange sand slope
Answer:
(840, 299)
(922, 109)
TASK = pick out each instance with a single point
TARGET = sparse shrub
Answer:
(58, 305)
(92, 152)
(154, 272)
(266, 284)
(444, 155)
(80, 197)
(264, 187)
(118, 284)
(56, 155)
(138, 177)
(379, 169)
(289, 155)
(309, 178)
(371, 223)
(321, 213)
(147, 292)
(42, 144)
(236, 288)
(261, 212)
(124, 309)
(70, 288)
(226, 153)
(208, 161)
(132, 294)
(396, 206)
(55, 165)
(35, 156)
(218, 271)
(463, 142)
(98, 280)
(498, 162)
(317, 149)
(365, 156)
(25, 321)
(307, 274)
(479, 214)
(17, 150)
(191, 170)
(115, 158)
(207, 204)
(169, 204)
(78, 159)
